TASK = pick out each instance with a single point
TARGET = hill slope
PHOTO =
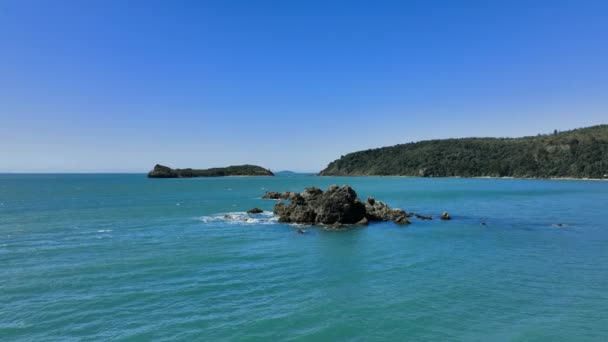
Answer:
(161, 171)
(579, 153)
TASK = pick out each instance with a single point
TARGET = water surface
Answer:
(98, 257)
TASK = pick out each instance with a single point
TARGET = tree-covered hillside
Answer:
(161, 171)
(579, 153)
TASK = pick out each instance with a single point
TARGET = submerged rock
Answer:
(255, 211)
(423, 217)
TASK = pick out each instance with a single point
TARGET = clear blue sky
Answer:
(121, 85)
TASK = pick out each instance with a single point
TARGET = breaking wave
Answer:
(241, 217)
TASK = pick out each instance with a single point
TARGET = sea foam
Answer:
(241, 217)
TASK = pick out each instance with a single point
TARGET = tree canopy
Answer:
(578, 153)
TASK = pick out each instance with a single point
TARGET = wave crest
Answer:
(241, 217)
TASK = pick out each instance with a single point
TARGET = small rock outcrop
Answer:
(336, 207)
(445, 216)
(380, 211)
(255, 211)
(287, 195)
(423, 217)
(271, 195)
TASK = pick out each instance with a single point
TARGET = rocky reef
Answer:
(287, 195)
(161, 171)
(337, 206)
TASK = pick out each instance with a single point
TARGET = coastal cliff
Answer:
(161, 171)
(579, 153)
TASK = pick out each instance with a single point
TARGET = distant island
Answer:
(285, 172)
(161, 171)
(578, 153)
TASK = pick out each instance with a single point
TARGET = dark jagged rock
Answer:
(402, 220)
(380, 211)
(313, 206)
(336, 207)
(279, 209)
(445, 216)
(364, 222)
(339, 205)
(423, 217)
(298, 212)
(255, 211)
(311, 193)
(161, 171)
(279, 195)
(288, 195)
(271, 195)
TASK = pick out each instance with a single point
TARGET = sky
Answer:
(118, 86)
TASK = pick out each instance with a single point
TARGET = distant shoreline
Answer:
(161, 171)
(480, 177)
(580, 153)
(550, 178)
(304, 173)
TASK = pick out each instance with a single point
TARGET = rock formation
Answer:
(337, 206)
(422, 217)
(379, 211)
(287, 195)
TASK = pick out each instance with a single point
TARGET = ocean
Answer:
(122, 257)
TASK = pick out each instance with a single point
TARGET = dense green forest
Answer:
(161, 171)
(579, 153)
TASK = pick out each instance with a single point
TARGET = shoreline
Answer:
(311, 174)
(481, 177)
(550, 178)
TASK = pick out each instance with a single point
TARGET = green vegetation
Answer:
(579, 153)
(161, 171)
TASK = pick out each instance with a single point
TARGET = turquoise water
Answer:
(113, 257)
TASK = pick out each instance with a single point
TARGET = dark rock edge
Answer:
(336, 207)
